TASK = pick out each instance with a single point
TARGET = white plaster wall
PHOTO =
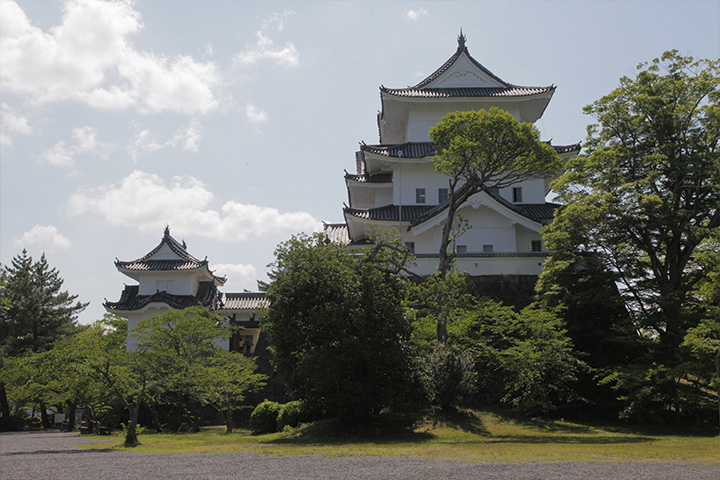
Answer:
(525, 238)
(486, 228)
(424, 116)
(486, 265)
(183, 284)
(417, 175)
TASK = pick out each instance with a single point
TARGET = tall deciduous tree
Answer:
(337, 329)
(642, 198)
(482, 150)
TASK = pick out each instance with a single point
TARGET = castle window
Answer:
(419, 195)
(536, 245)
(461, 249)
(517, 194)
(410, 246)
(487, 248)
(442, 195)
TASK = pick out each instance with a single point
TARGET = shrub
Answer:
(449, 376)
(264, 419)
(291, 414)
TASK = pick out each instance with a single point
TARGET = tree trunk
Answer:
(4, 405)
(131, 439)
(71, 415)
(228, 414)
(46, 423)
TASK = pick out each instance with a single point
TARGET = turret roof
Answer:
(423, 89)
(183, 260)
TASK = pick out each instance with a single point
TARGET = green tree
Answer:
(522, 358)
(190, 368)
(483, 150)
(38, 313)
(35, 313)
(704, 339)
(337, 329)
(641, 198)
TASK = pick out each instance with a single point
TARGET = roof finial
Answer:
(167, 230)
(461, 40)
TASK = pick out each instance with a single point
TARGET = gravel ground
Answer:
(54, 455)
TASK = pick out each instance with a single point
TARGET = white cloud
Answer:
(62, 155)
(44, 236)
(255, 114)
(147, 202)
(88, 59)
(415, 14)
(236, 274)
(276, 20)
(184, 138)
(264, 50)
(12, 123)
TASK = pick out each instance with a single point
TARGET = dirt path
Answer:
(54, 455)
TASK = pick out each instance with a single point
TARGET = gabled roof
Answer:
(495, 88)
(182, 260)
(532, 211)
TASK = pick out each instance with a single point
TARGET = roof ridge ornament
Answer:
(167, 230)
(461, 40)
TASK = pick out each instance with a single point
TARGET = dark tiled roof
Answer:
(510, 91)
(243, 301)
(427, 149)
(186, 262)
(575, 147)
(378, 178)
(390, 213)
(207, 296)
(406, 150)
(336, 233)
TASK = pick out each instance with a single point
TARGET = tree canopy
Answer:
(337, 329)
(483, 150)
(642, 199)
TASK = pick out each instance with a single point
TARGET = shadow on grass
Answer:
(331, 432)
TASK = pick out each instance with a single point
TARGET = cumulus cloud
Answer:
(63, 155)
(415, 14)
(255, 114)
(147, 202)
(185, 138)
(46, 237)
(264, 49)
(89, 59)
(12, 123)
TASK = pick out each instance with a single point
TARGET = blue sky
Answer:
(233, 122)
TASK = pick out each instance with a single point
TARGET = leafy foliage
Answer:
(337, 329)
(641, 200)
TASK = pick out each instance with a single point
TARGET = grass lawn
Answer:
(472, 436)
